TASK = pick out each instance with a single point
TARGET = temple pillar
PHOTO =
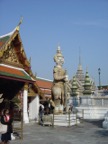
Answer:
(34, 108)
(25, 104)
(37, 107)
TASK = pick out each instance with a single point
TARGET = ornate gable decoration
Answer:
(12, 51)
(10, 55)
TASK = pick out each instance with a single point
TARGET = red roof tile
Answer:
(11, 70)
(15, 73)
(44, 83)
(46, 91)
(45, 86)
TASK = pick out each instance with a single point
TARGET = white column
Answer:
(37, 107)
(34, 108)
(25, 103)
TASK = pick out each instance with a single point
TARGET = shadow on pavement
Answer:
(97, 123)
(102, 133)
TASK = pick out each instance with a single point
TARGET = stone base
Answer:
(47, 120)
(65, 120)
(58, 109)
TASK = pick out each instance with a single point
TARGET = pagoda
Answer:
(79, 79)
(87, 85)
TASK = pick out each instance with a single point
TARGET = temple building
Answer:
(82, 84)
(16, 77)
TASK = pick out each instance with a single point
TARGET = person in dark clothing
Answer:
(41, 113)
(6, 120)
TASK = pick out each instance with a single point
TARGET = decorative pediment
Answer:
(10, 55)
(12, 51)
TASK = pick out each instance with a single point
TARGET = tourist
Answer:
(47, 111)
(7, 120)
(71, 107)
(41, 113)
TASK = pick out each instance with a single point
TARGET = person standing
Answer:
(41, 113)
(6, 119)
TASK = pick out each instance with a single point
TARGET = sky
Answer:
(79, 27)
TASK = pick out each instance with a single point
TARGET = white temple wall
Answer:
(92, 113)
(99, 101)
(93, 107)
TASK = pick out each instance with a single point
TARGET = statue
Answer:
(60, 77)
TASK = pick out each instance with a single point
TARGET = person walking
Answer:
(6, 119)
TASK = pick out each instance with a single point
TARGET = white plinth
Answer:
(59, 109)
(65, 120)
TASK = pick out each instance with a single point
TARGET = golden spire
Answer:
(20, 22)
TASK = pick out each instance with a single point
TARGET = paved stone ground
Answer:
(84, 133)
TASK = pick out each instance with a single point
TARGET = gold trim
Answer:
(1, 54)
(26, 86)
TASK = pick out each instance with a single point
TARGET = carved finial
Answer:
(20, 22)
(79, 56)
(86, 68)
(58, 46)
(30, 60)
(80, 66)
